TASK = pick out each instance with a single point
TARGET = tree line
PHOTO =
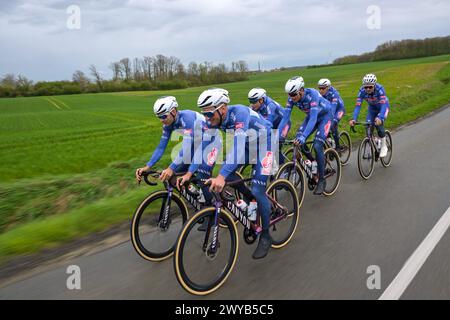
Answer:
(148, 73)
(403, 49)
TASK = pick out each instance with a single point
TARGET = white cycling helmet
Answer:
(324, 83)
(255, 94)
(213, 98)
(369, 78)
(294, 85)
(164, 105)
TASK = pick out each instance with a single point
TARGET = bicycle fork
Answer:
(164, 216)
(211, 248)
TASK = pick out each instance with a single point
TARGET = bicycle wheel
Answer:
(153, 238)
(245, 170)
(296, 177)
(199, 271)
(332, 171)
(366, 158)
(285, 212)
(346, 147)
(288, 153)
(386, 161)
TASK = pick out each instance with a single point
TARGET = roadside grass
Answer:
(69, 172)
(52, 231)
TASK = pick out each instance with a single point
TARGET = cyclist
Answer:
(318, 117)
(192, 125)
(374, 94)
(271, 111)
(337, 106)
(215, 107)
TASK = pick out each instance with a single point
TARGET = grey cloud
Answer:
(277, 33)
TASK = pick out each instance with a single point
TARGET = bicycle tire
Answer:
(300, 187)
(390, 150)
(366, 143)
(140, 248)
(295, 214)
(183, 278)
(332, 154)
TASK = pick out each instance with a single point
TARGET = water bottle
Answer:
(378, 144)
(308, 163)
(201, 197)
(251, 211)
(197, 193)
(314, 167)
(241, 205)
(193, 190)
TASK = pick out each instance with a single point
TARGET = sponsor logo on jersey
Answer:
(327, 128)
(211, 158)
(267, 163)
(239, 125)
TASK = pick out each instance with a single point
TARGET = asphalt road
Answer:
(376, 222)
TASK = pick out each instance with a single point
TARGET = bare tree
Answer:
(23, 84)
(243, 66)
(116, 69)
(126, 68)
(9, 80)
(148, 67)
(80, 78)
(138, 74)
(97, 76)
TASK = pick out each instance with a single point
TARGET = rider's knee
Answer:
(318, 144)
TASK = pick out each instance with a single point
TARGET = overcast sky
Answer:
(35, 40)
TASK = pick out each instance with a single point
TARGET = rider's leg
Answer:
(283, 135)
(371, 115)
(259, 182)
(335, 132)
(319, 142)
(335, 126)
(261, 173)
(307, 152)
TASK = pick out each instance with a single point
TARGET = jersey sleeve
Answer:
(237, 157)
(384, 102)
(359, 101)
(159, 151)
(286, 117)
(185, 155)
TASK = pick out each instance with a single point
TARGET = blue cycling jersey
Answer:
(376, 100)
(314, 105)
(187, 121)
(337, 104)
(240, 119)
(272, 111)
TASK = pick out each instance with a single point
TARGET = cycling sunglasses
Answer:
(210, 114)
(163, 117)
(322, 88)
(294, 94)
(368, 87)
(253, 101)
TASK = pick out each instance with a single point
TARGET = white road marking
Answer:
(417, 259)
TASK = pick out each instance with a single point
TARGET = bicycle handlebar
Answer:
(364, 123)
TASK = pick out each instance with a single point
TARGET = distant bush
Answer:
(404, 49)
(150, 73)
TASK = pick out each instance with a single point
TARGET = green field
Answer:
(67, 162)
